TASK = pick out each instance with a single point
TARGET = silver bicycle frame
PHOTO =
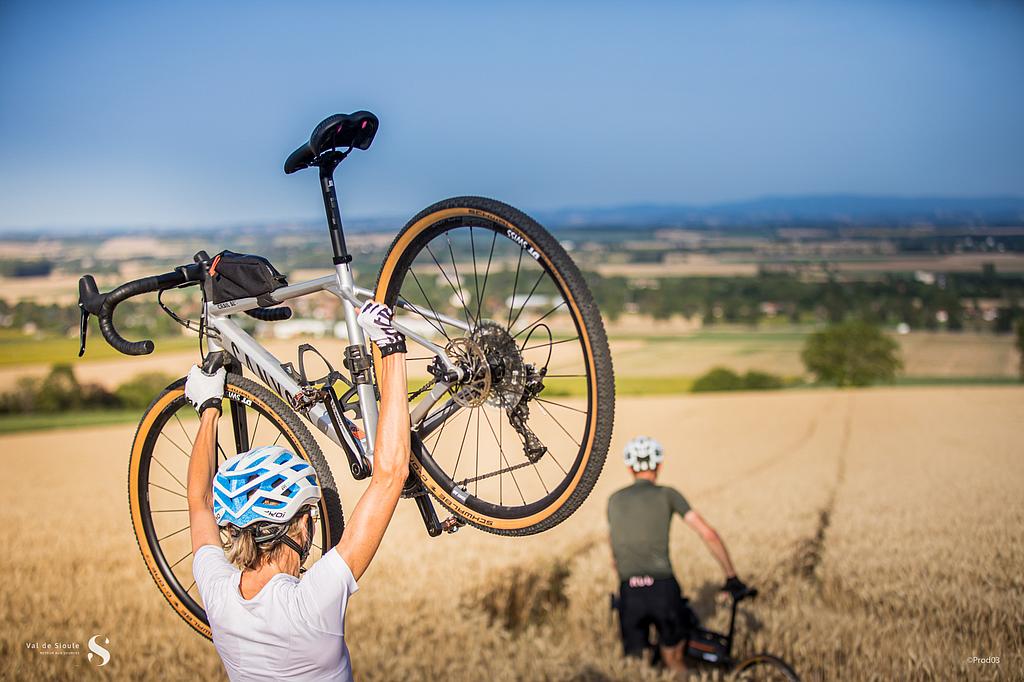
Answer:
(230, 337)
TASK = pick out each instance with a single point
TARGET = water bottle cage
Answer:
(357, 362)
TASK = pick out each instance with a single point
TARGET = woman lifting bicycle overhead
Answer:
(267, 622)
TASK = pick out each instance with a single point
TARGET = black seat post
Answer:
(328, 162)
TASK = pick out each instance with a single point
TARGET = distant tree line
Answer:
(951, 301)
(25, 268)
(983, 301)
(60, 391)
(139, 318)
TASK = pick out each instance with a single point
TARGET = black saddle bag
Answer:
(240, 275)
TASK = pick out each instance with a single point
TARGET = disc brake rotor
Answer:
(474, 391)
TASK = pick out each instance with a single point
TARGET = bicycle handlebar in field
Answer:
(91, 301)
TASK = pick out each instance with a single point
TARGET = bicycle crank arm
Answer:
(414, 488)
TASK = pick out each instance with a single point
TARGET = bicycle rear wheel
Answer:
(519, 446)
(157, 480)
(764, 668)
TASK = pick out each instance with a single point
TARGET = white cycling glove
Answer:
(205, 390)
(376, 319)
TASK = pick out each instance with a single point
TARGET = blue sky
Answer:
(121, 114)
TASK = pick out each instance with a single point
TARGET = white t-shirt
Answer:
(291, 630)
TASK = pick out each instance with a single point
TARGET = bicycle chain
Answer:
(422, 389)
(424, 491)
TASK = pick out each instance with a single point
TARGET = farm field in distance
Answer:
(666, 349)
(882, 525)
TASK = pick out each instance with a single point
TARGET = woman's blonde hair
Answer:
(246, 555)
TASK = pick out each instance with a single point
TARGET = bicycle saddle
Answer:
(340, 130)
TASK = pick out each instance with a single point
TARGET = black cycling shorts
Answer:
(646, 601)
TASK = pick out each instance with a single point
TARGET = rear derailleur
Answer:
(519, 413)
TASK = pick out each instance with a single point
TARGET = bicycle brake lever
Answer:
(83, 330)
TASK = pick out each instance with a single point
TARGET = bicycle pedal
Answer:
(452, 524)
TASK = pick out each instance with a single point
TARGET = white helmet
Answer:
(643, 454)
(264, 484)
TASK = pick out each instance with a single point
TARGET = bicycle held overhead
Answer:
(495, 314)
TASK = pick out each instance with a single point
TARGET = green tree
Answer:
(1020, 345)
(754, 380)
(718, 379)
(853, 353)
(140, 390)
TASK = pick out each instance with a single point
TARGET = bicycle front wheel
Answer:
(157, 476)
(764, 668)
(516, 447)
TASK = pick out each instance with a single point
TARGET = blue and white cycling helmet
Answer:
(265, 484)
(643, 454)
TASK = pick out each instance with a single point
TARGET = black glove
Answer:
(735, 587)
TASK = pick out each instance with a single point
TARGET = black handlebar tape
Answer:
(126, 291)
(299, 159)
(270, 314)
(193, 272)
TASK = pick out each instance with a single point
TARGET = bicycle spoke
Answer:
(538, 320)
(155, 485)
(181, 559)
(483, 290)
(539, 477)
(187, 455)
(550, 452)
(190, 587)
(458, 279)
(457, 292)
(476, 274)
(170, 535)
(433, 323)
(549, 343)
(503, 457)
(440, 431)
(461, 446)
(528, 297)
(183, 486)
(568, 407)
(476, 486)
(515, 285)
(252, 439)
(190, 440)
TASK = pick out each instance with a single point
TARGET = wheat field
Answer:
(883, 526)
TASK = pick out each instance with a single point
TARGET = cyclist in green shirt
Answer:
(639, 517)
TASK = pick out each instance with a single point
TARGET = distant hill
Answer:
(763, 214)
(820, 210)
